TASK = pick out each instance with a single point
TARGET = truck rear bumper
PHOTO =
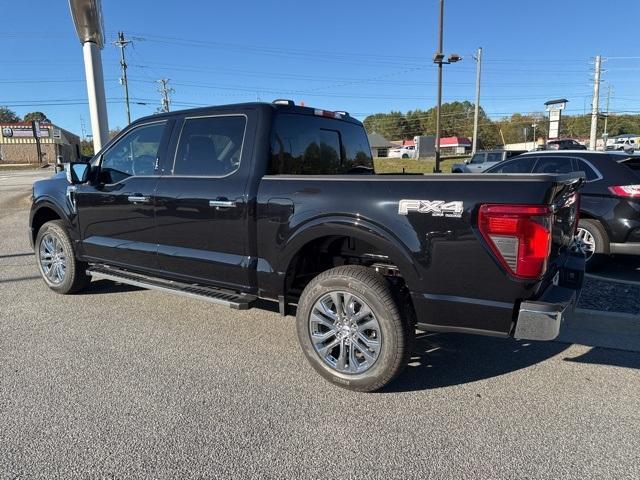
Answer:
(541, 319)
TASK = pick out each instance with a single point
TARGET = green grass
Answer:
(410, 165)
(22, 166)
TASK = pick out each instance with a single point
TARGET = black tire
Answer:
(396, 331)
(75, 276)
(601, 240)
(404, 155)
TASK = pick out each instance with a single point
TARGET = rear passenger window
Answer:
(632, 162)
(210, 146)
(549, 164)
(309, 145)
(520, 165)
(588, 171)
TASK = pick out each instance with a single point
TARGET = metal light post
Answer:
(87, 17)
(438, 58)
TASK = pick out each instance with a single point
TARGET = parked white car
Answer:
(406, 151)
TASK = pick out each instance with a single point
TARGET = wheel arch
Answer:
(42, 212)
(383, 241)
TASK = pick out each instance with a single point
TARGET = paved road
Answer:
(126, 383)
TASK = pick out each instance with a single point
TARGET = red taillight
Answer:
(629, 191)
(519, 236)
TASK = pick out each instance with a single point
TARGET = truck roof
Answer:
(264, 106)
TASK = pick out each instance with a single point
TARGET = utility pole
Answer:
(605, 134)
(165, 92)
(122, 43)
(595, 104)
(476, 114)
(83, 129)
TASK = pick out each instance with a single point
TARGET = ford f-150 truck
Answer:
(245, 204)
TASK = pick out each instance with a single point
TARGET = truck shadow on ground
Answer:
(444, 360)
(99, 287)
(606, 356)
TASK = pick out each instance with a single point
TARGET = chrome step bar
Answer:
(239, 301)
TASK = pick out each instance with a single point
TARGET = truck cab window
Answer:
(210, 146)
(134, 154)
(306, 145)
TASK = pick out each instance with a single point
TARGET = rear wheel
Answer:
(595, 242)
(60, 269)
(351, 329)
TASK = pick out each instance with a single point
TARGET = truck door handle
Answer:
(138, 199)
(222, 203)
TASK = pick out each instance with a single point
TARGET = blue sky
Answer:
(360, 56)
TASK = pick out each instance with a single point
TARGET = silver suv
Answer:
(483, 160)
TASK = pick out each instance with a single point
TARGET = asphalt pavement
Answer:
(119, 382)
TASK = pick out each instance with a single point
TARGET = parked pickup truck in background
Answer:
(252, 203)
(483, 160)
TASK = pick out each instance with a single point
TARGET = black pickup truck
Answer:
(248, 204)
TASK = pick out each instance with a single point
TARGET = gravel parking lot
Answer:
(119, 382)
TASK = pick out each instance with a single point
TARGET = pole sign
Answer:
(555, 107)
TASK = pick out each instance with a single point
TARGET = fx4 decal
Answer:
(437, 208)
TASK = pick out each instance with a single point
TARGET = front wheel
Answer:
(60, 269)
(351, 329)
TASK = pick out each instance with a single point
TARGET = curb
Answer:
(612, 279)
(596, 328)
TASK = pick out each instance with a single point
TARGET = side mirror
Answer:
(77, 172)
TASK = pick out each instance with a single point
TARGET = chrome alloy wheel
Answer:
(587, 240)
(53, 260)
(345, 332)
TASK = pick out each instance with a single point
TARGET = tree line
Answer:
(457, 120)
(9, 116)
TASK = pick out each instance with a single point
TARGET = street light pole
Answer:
(438, 58)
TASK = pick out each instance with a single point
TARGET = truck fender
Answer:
(51, 204)
(356, 227)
